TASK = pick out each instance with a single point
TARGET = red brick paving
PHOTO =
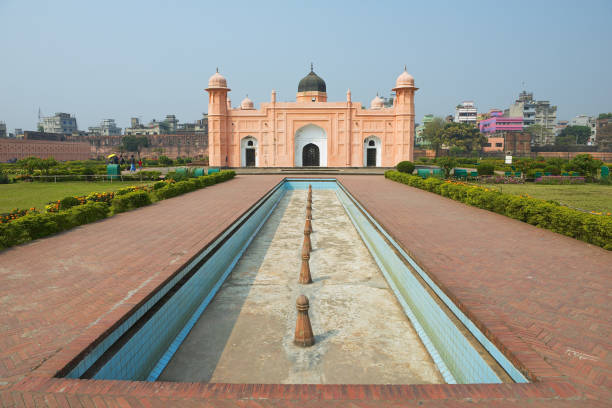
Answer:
(542, 297)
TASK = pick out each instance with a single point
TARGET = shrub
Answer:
(552, 169)
(130, 201)
(68, 202)
(34, 226)
(486, 168)
(165, 161)
(4, 178)
(594, 229)
(160, 184)
(405, 167)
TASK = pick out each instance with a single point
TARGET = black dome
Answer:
(312, 82)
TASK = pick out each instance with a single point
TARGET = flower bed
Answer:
(15, 214)
(495, 179)
(594, 229)
(558, 180)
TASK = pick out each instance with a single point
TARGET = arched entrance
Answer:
(371, 151)
(310, 135)
(248, 152)
(310, 155)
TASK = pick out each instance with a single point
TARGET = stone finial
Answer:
(310, 188)
(308, 226)
(305, 277)
(307, 244)
(303, 330)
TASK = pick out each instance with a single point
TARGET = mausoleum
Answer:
(310, 131)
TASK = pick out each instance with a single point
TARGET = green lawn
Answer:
(25, 195)
(590, 197)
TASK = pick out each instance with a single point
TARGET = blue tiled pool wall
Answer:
(145, 355)
(148, 350)
(457, 360)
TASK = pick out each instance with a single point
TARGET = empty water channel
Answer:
(230, 315)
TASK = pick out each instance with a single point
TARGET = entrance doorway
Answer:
(310, 155)
(250, 157)
(248, 152)
(371, 159)
(372, 151)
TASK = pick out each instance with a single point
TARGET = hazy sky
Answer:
(118, 59)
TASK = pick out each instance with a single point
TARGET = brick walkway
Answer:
(543, 297)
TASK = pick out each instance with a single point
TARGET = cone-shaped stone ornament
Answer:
(308, 226)
(303, 330)
(305, 277)
(306, 245)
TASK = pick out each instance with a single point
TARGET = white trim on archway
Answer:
(377, 145)
(244, 144)
(310, 134)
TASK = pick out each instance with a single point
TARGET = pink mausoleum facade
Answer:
(310, 131)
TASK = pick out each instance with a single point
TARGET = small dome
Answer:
(217, 81)
(312, 82)
(246, 103)
(404, 80)
(377, 103)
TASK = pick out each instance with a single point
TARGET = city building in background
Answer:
(590, 122)
(535, 113)
(604, 134)
(3, 130)
(466, 112)
(497, 122)
(59, 123)
(153, 128)
(107, 127)
(561, 124)
(418, 139)
(18, 133)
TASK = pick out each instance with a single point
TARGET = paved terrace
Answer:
(542, 297)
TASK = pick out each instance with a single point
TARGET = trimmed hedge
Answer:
(38, 225)
(130, 201)
(34, 226)
(594, 229)
(182, 187)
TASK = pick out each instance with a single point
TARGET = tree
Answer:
(463, 136)
(585, 165)
(134, 143)
(447, 164)
(433, 133)
(579, 134)
(565, 140)
(605, 115)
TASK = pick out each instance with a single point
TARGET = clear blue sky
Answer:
(118, 59)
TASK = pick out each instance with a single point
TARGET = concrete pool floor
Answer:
(362, 334)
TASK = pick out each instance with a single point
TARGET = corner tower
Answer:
(218, 128)
(404, 117)
(312, 88)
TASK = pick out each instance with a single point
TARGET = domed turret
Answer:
(312, 88)
(246, 103)
(377, 103)
(217, 81)
(404, 80)
(312, 82)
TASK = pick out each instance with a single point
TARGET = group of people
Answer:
(122, 161)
